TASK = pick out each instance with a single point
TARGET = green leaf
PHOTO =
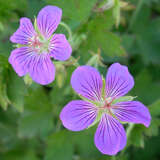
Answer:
(16, 90)
(20, 154)
(147, 33)
(139, 17)
(85, 147)
(136, 137)
(155, 108)
(103, 22)
(8, 134)
(148, 42)
(8, 127)
(109, 43)
(37, 116)
(80, 11)
(8, 8)
(137, 134)
(101, 37)
(155, 122)
(33, 7)
(145, 88)
(153, 129)
(59, 146)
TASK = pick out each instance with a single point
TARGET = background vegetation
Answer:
(127, 32)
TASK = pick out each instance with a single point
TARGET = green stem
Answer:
(134, 16)
(129, 129)
(113, 158)
(128, 132)
(68, 30)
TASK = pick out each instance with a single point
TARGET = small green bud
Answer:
(27, 80)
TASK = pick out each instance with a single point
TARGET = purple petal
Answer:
(118, 81)
(20, 59)
(132, 111)
(60, 49)
(42, 69)
(24, 33)
(78, 115)
(24, 60)
(48, 19)
(110, 136)
(87, 82)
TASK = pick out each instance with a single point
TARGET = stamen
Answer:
(106, 108)
(39, 45)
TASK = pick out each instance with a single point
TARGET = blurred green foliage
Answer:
(128, 32)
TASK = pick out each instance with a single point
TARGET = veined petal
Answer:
(78, 115)
(48, 19)
(110, 136)
(24, 33)
(132, 111)
(24, 60)
(87, 82)
(118, 81)
(20, 60)
(60, 48)
(42, 69)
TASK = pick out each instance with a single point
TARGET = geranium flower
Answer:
(103, 103)
(38, 46)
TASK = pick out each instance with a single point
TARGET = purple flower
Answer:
(38, 46)
(100, 103)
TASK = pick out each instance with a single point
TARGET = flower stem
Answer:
(129, 129)
(68, 30)
(128, 132)
(113, 158)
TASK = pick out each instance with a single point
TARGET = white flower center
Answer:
(39, 44)
(106, 106)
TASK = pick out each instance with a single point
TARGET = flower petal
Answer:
(110, 136)
(24, 33)
(132, 111)
(78, 115)
(48, 19)
(24, 60)
(42, 69)
(118, 81)
(87, 82)
(20, 59)
(60, 49)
